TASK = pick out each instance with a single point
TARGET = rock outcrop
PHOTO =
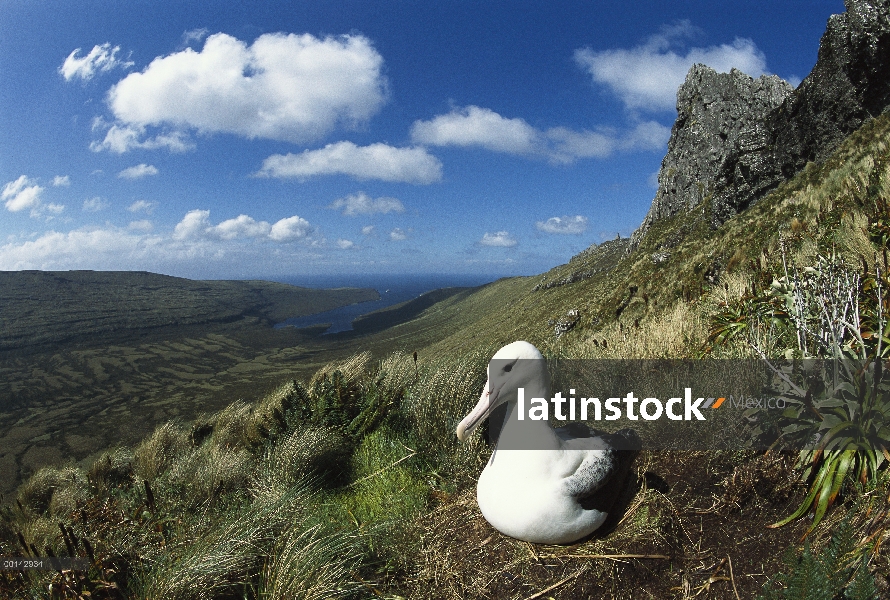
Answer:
(736, 138)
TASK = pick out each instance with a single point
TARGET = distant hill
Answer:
(91, 307)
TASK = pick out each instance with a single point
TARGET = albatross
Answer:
(544, 485)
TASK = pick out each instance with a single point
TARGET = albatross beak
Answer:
(487, 403)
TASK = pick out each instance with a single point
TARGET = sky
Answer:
(234, 140)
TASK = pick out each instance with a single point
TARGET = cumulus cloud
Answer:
(54, 208)
(196, 225)
(563, 225)
(123, 138)
(647, 76)
(241, 226)
(566, 145)
(79, 248)
(482, 127)
(138, 247)
(367, 230)
(21, 194)
(94, 204)
(138, 171)
(285, 87)
(102, 58)
(475, 126)
(499, 239)
(344, 244)
(377, 161)
(397, 235)
(61, 181)
(142, 206)
(362, 204)
(290, 229)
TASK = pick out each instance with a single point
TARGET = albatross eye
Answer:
(509, 367)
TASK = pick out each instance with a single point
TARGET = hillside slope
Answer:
(655, 301)
(89, 307)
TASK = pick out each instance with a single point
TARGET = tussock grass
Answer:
(113, 468)
(313, 453)
(53, 490)
(678, 332)
(311, 565)
(156, 453)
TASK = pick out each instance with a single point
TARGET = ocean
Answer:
(393, 289)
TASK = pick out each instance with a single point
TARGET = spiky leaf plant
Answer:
(838, 410)
(844, 429)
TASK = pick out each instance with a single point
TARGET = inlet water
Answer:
(392, 289)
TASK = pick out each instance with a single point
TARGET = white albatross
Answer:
(544, 485)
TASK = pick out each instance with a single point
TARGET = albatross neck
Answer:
(527, 433)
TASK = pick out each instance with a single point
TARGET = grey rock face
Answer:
(849, 85)
(720, 129)
(736, 138)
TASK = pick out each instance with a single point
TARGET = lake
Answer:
(393, 289)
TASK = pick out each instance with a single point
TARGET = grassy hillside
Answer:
(657, 300)
(93, 359)
(351, 482)
(91, 308)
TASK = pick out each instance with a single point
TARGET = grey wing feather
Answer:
(595, 471)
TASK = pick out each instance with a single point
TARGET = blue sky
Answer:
(280, 139)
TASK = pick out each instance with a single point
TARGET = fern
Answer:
(334, 401)
(838, 573)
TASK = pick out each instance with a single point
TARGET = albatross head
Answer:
(505, 375)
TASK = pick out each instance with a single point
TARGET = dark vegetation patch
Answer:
(90, 308)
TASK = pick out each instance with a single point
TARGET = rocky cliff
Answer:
(736, 138)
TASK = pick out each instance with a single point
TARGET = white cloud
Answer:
(241, 226)
(55, 208)
(142, 206)
(475, 126)
(196, 225)
(138, 171)
(101, 58)
(290, 229)
(500, 238)
(647, 76)
(568, 144)
(397, 235)
(137, 247)
(482, 127)
(367, 230)
(194, 35)
(123, 138)
(293, 88)
(362, 204)
(61, 181)
(93, 248)
(344, 244)
(377, 161)
(143, 225)
(94, 204)
(564, 225)
(21, 194)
